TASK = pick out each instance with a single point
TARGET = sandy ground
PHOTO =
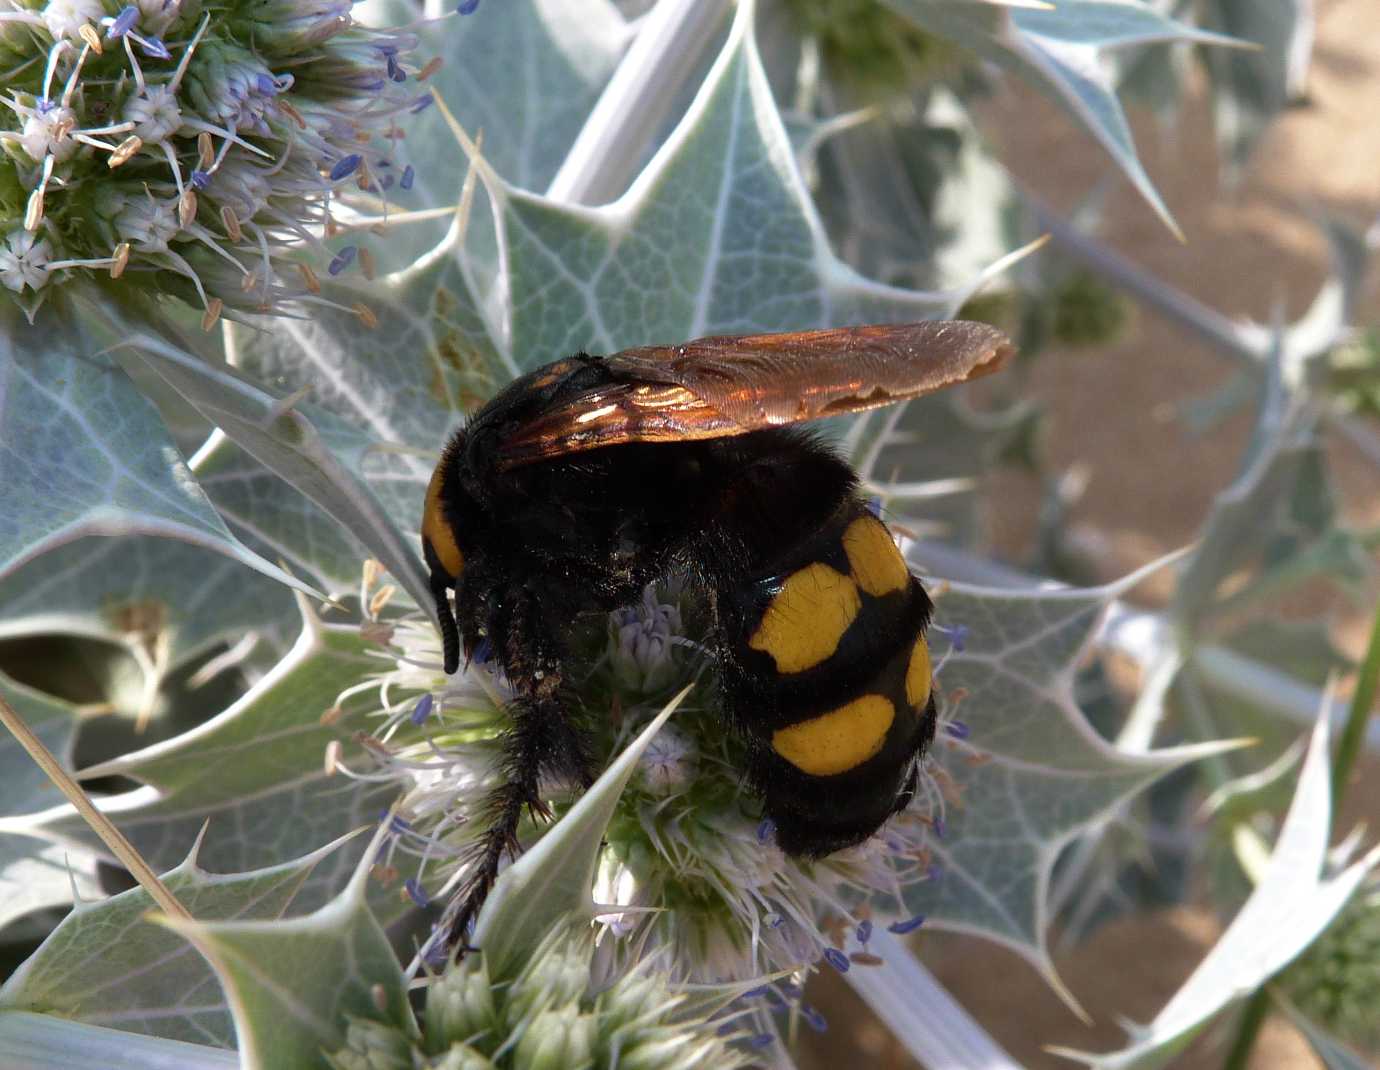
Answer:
(1150, 484)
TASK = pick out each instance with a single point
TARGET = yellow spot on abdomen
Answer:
(836, 741)
(919, 674)
(806, 619)
(437, 532)
(877, 565)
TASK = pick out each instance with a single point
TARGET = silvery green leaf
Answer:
(36, 875)
(177, 597)
(1058, 51)
(1032, 775)
(285, 440)
(1250, 87)
(292, 984)
(553, 879)
(271, 514)
(526, 74)
(684, 252)
(24, 786)
(140, 977)
(83, 453)
(270, 799)
(391, 397)
(44, 1042)
(918, 201)
(1297, 896)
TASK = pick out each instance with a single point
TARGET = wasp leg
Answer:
(541, 740)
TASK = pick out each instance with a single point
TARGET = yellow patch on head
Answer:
(877, 566)
(919, 674)
(836, 741)
(806, 619)
(437, 532)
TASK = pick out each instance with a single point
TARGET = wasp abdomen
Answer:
(831, 681)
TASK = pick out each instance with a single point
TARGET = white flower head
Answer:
(47, 131)
(65, 18)
(24, 260)
(155, 114)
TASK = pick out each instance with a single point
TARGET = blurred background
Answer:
(1250, 248)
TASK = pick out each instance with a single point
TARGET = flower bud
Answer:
(556, 1039)
(460, 1006)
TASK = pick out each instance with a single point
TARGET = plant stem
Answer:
(1353, 733)
(1252, 1018)
(113, 838)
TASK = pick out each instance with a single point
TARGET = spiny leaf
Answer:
(1297, 896)
(84, 453)
(255, 771)
(1058, 52)
(106, 965)
(292, 984)
(1027, 775)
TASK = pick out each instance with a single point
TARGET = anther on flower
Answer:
(864, 931)
(836, 959)
(900, 928)
(814, 1019)
(416, 892)
(236, 113)
(342, 260)
(422, 710)
(467, 7)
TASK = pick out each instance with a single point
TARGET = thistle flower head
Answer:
(689, 869)
(1337, 982)
(548, 1017)
(191, 147)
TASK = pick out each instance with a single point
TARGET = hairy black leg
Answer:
(450, 635)
(541, 740)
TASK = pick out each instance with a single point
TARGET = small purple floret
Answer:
(957, 635)
(123, 22)
(836, 959)
(345, 166)
(409, 173)
(341, 260)
(422, 104)
(200, 179)
(422, 710)
(864, 932)
(900, 928)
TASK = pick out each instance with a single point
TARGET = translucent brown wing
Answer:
(730, 385)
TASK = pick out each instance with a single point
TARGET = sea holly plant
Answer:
(222, 397)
